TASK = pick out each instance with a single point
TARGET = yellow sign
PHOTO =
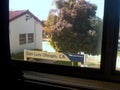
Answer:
(45, 55)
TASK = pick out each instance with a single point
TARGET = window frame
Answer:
(30, 37)
(22, 39)
(109, 46)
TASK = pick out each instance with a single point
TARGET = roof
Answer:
(16, 14)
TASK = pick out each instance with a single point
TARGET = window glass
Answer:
(62, 32)
(30, 37)
(22, 39)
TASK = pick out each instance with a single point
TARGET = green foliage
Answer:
(76, 29)
(51, 20)
(19, 55)
(59, 3)
(66, 63)
(118, 53)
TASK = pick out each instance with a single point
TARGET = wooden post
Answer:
(79, 64)
(72, 63)
(25, 56)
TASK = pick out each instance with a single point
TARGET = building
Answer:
(25, 31)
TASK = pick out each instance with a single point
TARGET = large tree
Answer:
(51, 20)
(75, 28)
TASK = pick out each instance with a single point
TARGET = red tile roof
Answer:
(14, 14)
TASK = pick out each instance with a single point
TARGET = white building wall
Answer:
(21, 26)
(38, 36)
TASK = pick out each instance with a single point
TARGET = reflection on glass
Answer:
(63, 32)
(118, 53)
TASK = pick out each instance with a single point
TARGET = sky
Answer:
(41, 8)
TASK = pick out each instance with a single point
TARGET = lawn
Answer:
(63, 63)
(118, 53)
(18, 56)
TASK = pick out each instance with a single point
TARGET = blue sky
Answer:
(40, 8)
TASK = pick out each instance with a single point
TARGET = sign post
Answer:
(25, 57)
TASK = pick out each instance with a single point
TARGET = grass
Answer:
(118, 53)
(19, 55)
(92, 65)
(63, 63)
(89, 64)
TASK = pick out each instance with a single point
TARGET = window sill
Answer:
(68, 82)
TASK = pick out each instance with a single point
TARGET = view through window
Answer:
(63, 32)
